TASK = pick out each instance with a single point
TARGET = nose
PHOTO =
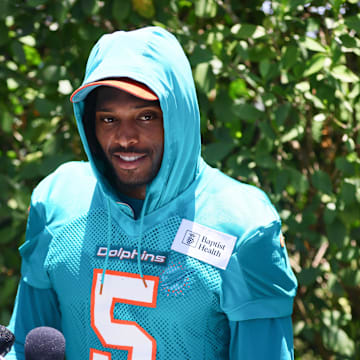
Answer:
(127, 134)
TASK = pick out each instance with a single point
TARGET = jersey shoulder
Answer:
(242, 206)
(65, 194)
(68, 179)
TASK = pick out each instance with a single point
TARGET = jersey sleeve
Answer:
(262, 339)
(258, 282)
(33, 307)
(35, 248)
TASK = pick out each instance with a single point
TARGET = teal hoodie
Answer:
(203, 302)
(154, 57)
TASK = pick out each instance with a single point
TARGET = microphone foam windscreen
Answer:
(44, 343)
(7, 339)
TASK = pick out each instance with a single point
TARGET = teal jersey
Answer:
(115, 284)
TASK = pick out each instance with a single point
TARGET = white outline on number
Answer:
(121, 287)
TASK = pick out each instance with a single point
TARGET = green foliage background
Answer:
(279, 91)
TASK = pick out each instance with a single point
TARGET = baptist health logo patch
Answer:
(203, 243)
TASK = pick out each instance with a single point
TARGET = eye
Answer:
(107, 119)
(146, 117)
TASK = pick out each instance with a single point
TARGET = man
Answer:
(145, 252)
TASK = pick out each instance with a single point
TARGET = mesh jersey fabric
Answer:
(180, 276)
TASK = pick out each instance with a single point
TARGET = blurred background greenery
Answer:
(278, 86)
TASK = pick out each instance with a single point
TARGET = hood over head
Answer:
(151, 56)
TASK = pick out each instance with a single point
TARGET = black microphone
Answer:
(7, 339)
(44, 343)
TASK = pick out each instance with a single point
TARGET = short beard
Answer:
(134, 182)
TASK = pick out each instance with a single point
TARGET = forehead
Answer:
(107, 95)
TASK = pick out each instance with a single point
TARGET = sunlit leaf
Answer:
(205, 8)
(312, 44)
(204, 77)
(245, 31)
(315, 64)
(343, 73)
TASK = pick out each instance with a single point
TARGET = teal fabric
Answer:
(139, 55)
(135, 204)
(201, 312)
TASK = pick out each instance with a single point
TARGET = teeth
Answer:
(130, 158)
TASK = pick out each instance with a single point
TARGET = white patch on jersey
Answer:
(203, 243)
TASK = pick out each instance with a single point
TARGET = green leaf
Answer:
(321, 180)
(329, 213)
(264, 68)
(281, 113)
(247, 112)
(35, 3)
(334, 285)
(313, 45)
(265, 161)
(348, 193)
(344, 74)
(246, 31)
(89, 7)
(337, 340)
(315, 64)
(336, 233)
(348, 41)
(200, 55)
(216, 152)
(32, 56)
(4, 37)
(204, 77)
(8, 289)
(121, 10)
(347, 255)
(18, 52)
(345, 166)
(350, 277)
(238, 89)
(317, 126)
(293, 133)
(44, 106)
(4, 9)
(299, 181)
(222, 107)
(353, 22)
(7, 120)
(308, 276)
(280, 180)
(205, 8)
(290, 57)
(51, 73)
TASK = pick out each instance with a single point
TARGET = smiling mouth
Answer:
(130, 158)
(129, 161)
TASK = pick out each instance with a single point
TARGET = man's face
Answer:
(131, 134)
